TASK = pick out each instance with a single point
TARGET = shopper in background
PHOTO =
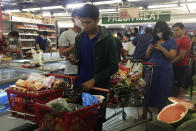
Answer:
(193, 44)
(193, 53)
(95, 54)
(188, 35)
(142, 42)
(120, 36)
(181, 60)
(48, 45)
(130, 46)
(67, 42)
(135, 31)
(41, 41)
(14, 45)
(120, 51)
(127, 32)
(161, 52)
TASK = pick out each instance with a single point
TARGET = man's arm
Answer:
(123, 53)
(37, 46)
(65, 51)
(181, 56)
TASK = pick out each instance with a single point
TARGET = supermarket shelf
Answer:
(30, 34)
(22, 34)
(26, 48)
(27, 28)
(5, 33)
(28, 22)
(36, 29)
(48, 30)
(27, 40)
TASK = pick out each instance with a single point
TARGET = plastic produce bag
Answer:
(61, 105)
(88, 99)
(35, 76)
(48, 81)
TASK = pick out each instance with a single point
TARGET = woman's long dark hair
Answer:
(163, 27)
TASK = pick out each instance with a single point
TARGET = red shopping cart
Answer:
(22, 104)
(84, 119)
(131, 97)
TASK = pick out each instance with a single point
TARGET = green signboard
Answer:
(144, 17)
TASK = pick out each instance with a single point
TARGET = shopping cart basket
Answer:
(22, 104)
(132, 97)
(84, 119)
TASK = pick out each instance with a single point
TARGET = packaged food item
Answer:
(100, 98)
(88, 99)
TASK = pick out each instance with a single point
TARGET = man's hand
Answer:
(86, 86)
(73, 59)
(158, 47)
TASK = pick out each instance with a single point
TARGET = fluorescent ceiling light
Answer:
(46, 14)
(9, 11)
(61, 14)
(162, 6)
(149, 25)
(78, 5)
(107, 10)
(122, 26)
(31, 9)
(72, 6)
(52, 7)
(107, 2)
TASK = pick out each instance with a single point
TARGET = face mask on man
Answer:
(78, 23)
(159, 35)
(132, 38)
(11, 39)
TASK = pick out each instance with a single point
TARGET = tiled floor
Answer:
(130, 124)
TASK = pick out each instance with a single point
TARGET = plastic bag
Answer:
(48, 81)
(35, 76)
(88, 99)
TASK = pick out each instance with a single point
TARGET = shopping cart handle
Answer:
(100, 89)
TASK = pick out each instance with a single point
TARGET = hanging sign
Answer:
(127, 13)
(144, 16)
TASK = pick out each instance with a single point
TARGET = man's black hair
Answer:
(119, 34)
(10, 34)
(136, 30)
(44, 33)
(163, 27)
(148, 30)
(90, 11)
(14, 34)
(180, 25)
(75, 13)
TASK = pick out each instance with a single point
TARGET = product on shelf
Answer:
(49, 20)
(27, 15)
(5, 16)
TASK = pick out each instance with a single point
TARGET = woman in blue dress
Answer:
(161, 51)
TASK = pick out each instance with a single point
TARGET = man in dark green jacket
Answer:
(95, 53)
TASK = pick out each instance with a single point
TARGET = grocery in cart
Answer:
(130, 85)
(36, 89)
